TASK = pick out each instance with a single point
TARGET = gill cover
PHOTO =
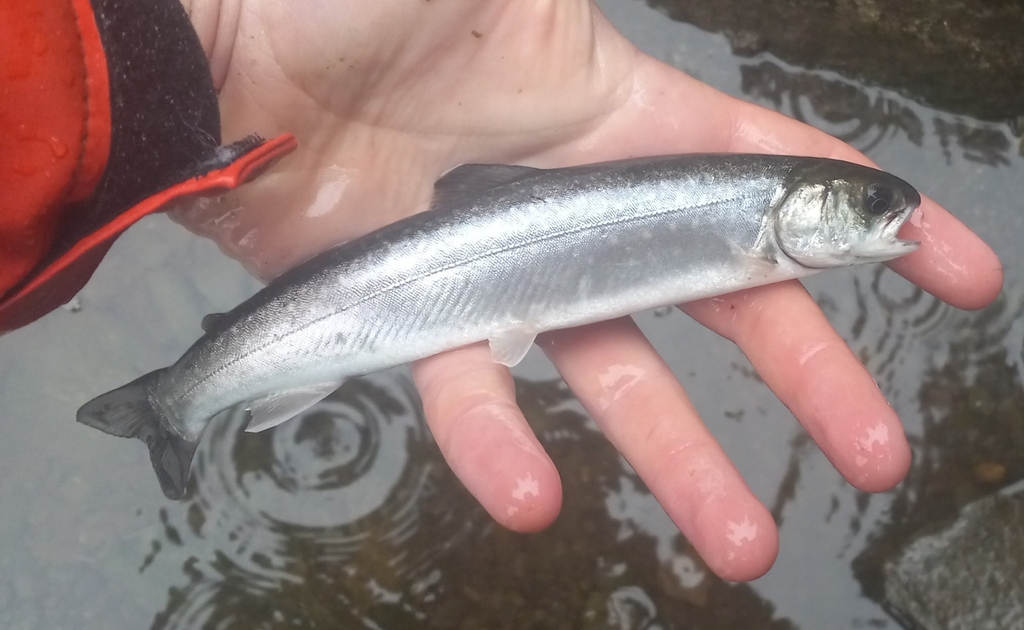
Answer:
(108, 114)
(837, 213)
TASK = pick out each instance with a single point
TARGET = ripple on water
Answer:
(300, 515)
(871, 118)
(350, 519)
(907, 323)
(890, 324)
(901, 332)
(337, 458)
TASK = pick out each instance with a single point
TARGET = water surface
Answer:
(348, 518)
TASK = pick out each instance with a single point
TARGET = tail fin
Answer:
(128, 412)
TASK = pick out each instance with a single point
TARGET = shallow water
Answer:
(348, 517)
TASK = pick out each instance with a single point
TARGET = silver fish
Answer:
(507, 252)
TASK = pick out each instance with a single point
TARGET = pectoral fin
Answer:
(508, 347)
(760, 261)
(274, 409)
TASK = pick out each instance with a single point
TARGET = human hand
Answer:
(384, 97)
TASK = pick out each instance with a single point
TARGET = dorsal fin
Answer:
(211, 321)
(465, 182)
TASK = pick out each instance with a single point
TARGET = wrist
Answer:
(216, 24)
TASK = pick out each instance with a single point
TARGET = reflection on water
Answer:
(963, 56)
(857, 117)
(348, 517)
(1017, 129)
(979, 144)
(865, 117)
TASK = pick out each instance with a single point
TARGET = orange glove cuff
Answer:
(107, 113)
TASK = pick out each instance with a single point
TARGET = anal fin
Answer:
(272, 410)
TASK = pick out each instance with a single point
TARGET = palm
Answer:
(380, 115)
(386, 96)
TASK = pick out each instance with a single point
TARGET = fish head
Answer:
(833, 214)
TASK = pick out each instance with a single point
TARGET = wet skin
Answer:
(386, 96)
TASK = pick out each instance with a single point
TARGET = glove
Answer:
(107, 114)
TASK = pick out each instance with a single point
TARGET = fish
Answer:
(502, 254)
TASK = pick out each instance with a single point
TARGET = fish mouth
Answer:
(884, 244)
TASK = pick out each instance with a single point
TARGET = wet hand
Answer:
(386, 96)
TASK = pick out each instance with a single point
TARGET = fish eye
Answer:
(878, 199)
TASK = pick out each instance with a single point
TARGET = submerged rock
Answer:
(969, 576)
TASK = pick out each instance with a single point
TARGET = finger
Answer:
(633, 396)
(670, 112)
(952, 264)
(810, 368)
(470, 405)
